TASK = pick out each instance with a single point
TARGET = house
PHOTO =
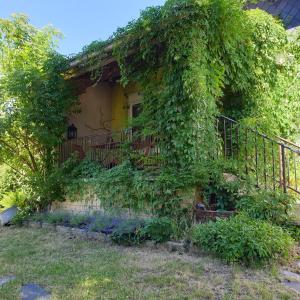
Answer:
(99, 128)
(106, 107)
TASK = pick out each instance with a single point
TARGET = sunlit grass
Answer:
(78, 269)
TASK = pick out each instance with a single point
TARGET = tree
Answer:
(34, 102)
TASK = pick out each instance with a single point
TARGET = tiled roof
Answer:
(287, 10)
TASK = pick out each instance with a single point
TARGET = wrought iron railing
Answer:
(273, 163)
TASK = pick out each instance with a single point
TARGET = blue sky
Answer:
(81, 21)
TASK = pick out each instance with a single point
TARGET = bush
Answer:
(274, 207)
(293, 230)
(159, 229)
(57, 218)
(78, 220)
(10, 199)
(100, 222)
(129, 233)
(242, 239)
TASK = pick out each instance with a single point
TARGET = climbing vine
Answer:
(195, 59)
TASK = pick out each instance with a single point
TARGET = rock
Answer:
(33, 291)
(176, 247)
(7, 215)
(77, 232)
(151, 244)
(97, 236)
(48, 226)
(6, 279)
(228, 177)
(63, 230)
(291, 276)
(33, 224)
(292, 285)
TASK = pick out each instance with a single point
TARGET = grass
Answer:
(78, 269)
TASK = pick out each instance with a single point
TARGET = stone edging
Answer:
(73, 232)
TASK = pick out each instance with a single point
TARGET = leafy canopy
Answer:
(34, 99)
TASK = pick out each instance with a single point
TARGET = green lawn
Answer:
(77, 269)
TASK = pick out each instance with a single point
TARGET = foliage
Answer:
(242, 239)
(129, 232)
(78, 220)
(17, 198)
(34, 102)
(190, 59)
(293, 230)
(57, 218)
(9, 182)
(275, 207)
(225, 187)
(159, 229)
(100, 222)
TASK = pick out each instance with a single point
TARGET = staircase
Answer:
(272, 163)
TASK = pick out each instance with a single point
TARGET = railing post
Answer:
(283, 175)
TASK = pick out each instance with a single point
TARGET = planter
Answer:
(203, 216)
(7, 215)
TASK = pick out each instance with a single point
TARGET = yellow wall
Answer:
(95, 116)
(103, 108)
(120, 105)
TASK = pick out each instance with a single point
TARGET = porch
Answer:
(112, 148)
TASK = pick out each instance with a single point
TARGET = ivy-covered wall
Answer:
(194, 59)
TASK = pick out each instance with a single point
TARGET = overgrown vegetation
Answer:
(191, 59)
(34, 102)
(243, 239)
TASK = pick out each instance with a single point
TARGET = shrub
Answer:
(78, 220)
(274, 207)
(293, 230)
(242, 239)
(222, 195)
(100, 222)
(10, 199)
(129, 233)
(57, 218)
(159, 229)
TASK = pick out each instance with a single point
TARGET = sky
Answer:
(80, 21)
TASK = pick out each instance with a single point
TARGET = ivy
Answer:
(192, 60)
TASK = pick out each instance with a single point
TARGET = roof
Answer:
(287, 10)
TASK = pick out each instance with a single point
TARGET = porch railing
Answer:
(112, 148)
(273, 163)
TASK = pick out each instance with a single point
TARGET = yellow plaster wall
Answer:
(120, 105)
(103, 107)
(95, 116)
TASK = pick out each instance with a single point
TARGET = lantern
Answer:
(72, 132)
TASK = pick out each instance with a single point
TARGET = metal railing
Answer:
(273, 163)
(112, 148)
